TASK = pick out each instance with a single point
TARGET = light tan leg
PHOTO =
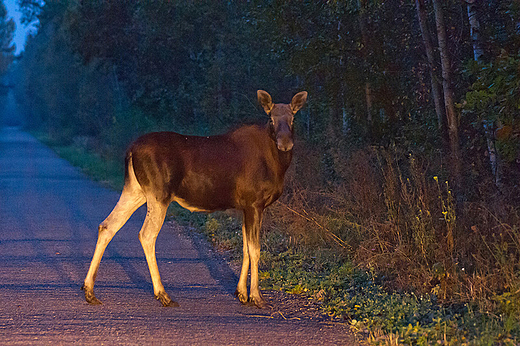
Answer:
(253, 223)
(148, 236)
(241, 291)
(131, 199)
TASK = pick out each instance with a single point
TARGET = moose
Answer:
(243, 169)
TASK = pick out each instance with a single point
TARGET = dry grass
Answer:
(394, 213)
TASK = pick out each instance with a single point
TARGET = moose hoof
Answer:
(90, 297)
(165, 299)
(242, 297)
(259, 303)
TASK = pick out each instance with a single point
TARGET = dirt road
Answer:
(49, 214)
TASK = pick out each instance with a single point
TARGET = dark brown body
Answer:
(229, 171)
(243, 169)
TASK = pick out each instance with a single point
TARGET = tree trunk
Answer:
(489, 130)
(451, 115)
(365, 40)
(478, 52)
(474, 24)
(432, 65)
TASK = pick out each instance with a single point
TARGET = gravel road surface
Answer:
(49, 213)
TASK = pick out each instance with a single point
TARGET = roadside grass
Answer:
(360, 296)
(384, 249)
(104, 169)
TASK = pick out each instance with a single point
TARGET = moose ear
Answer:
(298, 101)
(265, 100)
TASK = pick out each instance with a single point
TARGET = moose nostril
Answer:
(285, 145)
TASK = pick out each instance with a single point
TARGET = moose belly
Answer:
(193, 208)
(205, 195)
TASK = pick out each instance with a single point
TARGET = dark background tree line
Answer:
(400, 92)
(379, 72)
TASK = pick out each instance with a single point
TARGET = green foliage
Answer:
(493, 98)
(224, 231)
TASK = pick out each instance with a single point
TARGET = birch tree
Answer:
(365, 41)
(474, 24)
(432, 64)
(478, 53)
(449, 103)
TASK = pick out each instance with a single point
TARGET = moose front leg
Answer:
(251, 232)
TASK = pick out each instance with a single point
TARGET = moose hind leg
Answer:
(128, 203)
(148, 236)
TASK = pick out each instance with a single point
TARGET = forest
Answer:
(406, 170)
